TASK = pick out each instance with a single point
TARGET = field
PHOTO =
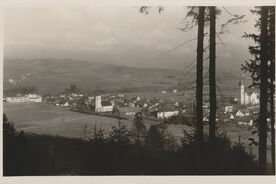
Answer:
(41, 118)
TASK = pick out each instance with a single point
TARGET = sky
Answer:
(118, 35)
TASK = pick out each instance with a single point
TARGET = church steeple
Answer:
(242, 95)
(240, 83)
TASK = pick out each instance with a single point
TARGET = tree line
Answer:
(124, 151)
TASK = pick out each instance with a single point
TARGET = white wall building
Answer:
(229, 108)
(99, 107)
(166, 114)
(239, 114)
(26, 98)
(247, 98)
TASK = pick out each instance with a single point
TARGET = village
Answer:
(235, 111)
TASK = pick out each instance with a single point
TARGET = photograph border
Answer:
(119, 179)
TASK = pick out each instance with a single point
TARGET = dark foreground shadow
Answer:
(29, 154)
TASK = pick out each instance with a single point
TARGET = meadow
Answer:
(47, 119)
(42, 118)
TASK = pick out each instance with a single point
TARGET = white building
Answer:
(77, 95)
(232, 117)
(66, 104)
(26, 98)
(254, 98)
(247, 98)
(128, 111)
(239, 114)
(99, 107)
(229, 108)
(167, 114)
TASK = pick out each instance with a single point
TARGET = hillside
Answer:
(54, 75)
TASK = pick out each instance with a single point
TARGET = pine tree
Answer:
(253, 66)
(264, 91)
(199, 88)
(212, 77)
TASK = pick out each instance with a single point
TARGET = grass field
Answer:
(41, 118)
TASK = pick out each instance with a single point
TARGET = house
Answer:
(121, 95)
(239, 114)
(232, 117)
(245, 122)
(229, 108)
(62, 96)
(175, 91)
(205, 119)
(137, 98)
(127, 111)
(205, 106)
(166, 111)
(25, 98)
(66, 104)
(167, 114)
(77, 95)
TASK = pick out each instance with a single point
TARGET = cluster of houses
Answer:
(119, 103)
(65, 100)
(241, 111)
(240, 115)
(19, 98)
(129, 106)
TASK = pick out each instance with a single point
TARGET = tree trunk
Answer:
(263, 92)
(272, 80)
(272, 118)
(199, 90)
(212, 77)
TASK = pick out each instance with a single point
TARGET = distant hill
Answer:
(55, 75)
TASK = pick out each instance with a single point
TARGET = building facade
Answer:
(247, 98)
(26, 98)
(99, 107)
(167, 114)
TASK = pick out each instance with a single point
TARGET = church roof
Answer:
(240, 83)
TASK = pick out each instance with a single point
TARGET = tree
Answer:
(155, 139)
(212, 76)
(98, 134)
(139, 126)
(210, 19)
(8, 129)
(253, 66)
(263, 92)
(73, 89)
(199, 87)
(272, 81)
(120, 134)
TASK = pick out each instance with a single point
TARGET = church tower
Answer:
(98, 103)
(242, 95)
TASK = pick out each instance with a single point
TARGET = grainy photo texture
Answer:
(139, 90)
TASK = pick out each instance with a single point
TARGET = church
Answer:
(99, 107)
(247, 98)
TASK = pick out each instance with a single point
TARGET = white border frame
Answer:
(121, 179)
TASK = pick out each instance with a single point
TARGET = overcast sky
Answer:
(116, 34)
